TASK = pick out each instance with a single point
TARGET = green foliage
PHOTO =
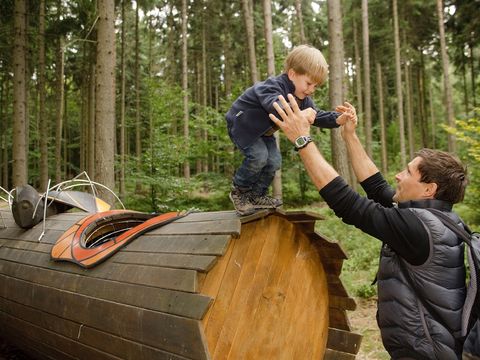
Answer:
(467, 132)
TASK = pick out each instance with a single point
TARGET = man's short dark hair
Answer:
(445, 170)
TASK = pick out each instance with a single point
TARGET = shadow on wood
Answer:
(207, 286)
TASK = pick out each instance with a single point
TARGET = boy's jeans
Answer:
(262, 159)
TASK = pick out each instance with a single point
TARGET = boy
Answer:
(251, 130)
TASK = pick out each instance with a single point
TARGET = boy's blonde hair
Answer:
(307, 60)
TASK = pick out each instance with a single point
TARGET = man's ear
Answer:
(430, 190)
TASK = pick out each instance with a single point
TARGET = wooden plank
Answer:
(256, 216)
(294, 294)
(300, 216)
(167, 278)
(343, 341)
(309, 288)
(335, 286)
(86, 335)
(171, 333)
(219, 310)
(180, 244)
(340, 302)
(52, 222)
(32, 235)
(28, 245)
(178, 261)
(237, 306)
(330, 249)
(209, 216)
(226, 227)
(332, 266)
(168, 301)
(273, 296)
(249, 294)
(68, 348)
(31, 348)
(337, 318)
(209, 284)
(337, 355)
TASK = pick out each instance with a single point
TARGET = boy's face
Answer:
(304, 86)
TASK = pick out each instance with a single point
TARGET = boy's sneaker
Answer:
(265, 202)
(241, 202)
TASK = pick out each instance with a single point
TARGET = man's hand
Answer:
(294, 123)
(310, 114)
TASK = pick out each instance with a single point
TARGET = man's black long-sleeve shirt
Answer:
(377, 216)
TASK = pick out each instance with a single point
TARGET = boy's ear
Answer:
(291, 73)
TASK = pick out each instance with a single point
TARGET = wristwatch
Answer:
(302, 141)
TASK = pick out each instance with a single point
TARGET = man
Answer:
(421, 277)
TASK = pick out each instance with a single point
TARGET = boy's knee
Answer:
(276, 162)
(259, 160)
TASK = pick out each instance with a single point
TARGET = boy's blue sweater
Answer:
(248, 119)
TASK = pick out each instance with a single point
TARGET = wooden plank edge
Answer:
(343, 341)
(337, 355)
(341, 302)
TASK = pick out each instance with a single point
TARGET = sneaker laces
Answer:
(264, 200)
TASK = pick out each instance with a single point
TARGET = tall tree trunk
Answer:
(204, 93)
(186, 163)
(464, 83)
(433, 120)
(366, 74)
(105, 98)
(4, 125)
(472, 75)
(409, 108)
(138, 127)
(358, 74)
(381, 115)
(60, 109)
(398, 85)
(422, 105)
(298, 10)
(19, 170)
(447, 87)
(91, 122)
(42, 119)
(122, 106)
(250, 31)
(336, 58)
(267, 16)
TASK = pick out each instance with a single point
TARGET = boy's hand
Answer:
(347, 112)
(294, 123)
(310, 114)
(350, 116)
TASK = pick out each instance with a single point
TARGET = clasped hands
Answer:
(295, 123)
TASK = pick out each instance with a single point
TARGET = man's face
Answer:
(304, 86)
(409, 186)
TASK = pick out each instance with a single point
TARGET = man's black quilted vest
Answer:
(408, 329)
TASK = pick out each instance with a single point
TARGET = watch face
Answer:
(301, 141)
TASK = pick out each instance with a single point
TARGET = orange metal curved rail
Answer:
(71, 245)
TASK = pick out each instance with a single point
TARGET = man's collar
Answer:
(427, 203)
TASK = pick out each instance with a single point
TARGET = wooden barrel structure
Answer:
(210, 285)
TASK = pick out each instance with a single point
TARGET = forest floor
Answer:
(363, 322)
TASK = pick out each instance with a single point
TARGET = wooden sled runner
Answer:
(208, 285)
